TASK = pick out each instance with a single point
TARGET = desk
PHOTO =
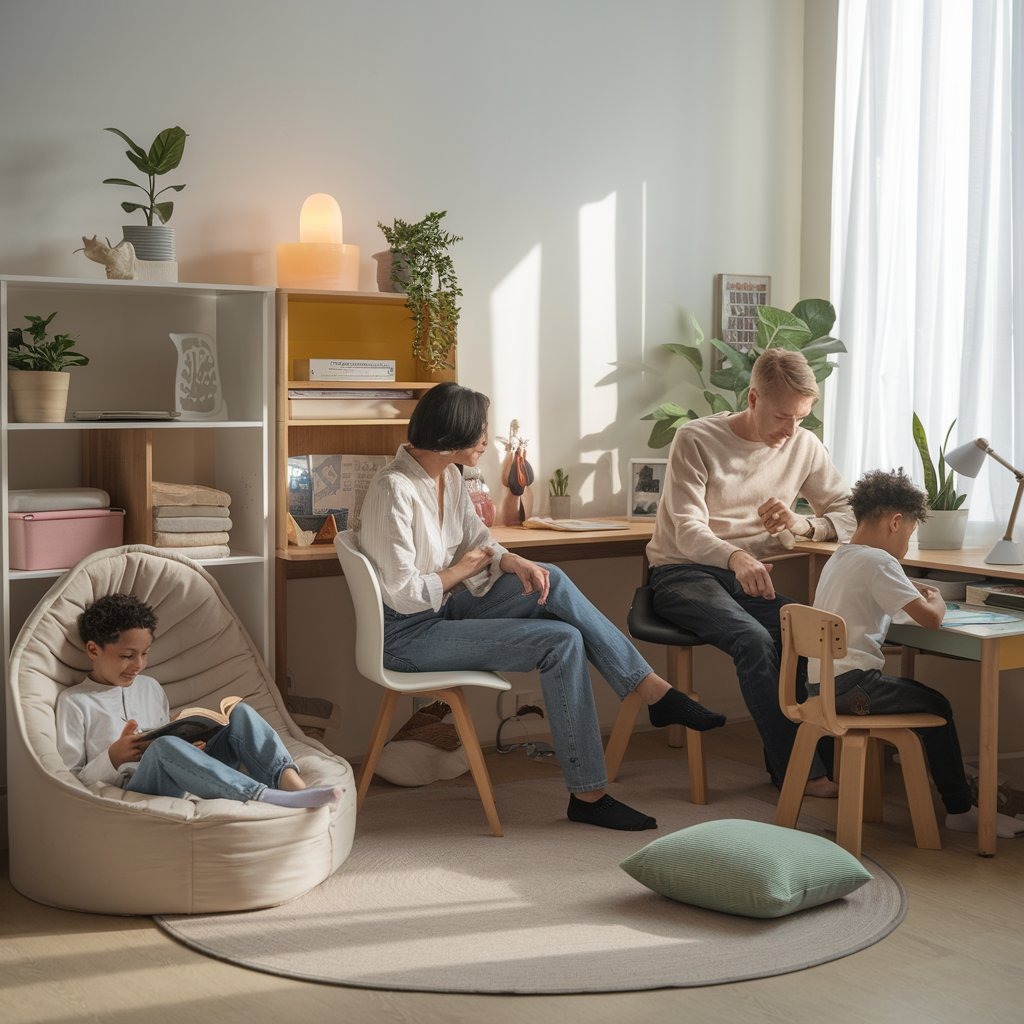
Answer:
(540, 545)
(993, 654)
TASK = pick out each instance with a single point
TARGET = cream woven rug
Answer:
(430, 901)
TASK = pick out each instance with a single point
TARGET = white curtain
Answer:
(927, 228)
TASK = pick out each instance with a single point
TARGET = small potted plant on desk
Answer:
(417, 262)
(947, 522)
(559, 498)
(37, 371)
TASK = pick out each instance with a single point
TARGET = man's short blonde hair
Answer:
(780, 370)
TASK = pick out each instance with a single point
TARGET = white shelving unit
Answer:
(123, 327)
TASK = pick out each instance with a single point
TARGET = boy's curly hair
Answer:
(879, 493)
(106, 619)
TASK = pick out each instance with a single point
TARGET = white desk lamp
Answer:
(968, 460)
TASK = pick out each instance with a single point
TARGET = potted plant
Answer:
(421, 266)
(37, 371)
(805, 329)
(152, 241)
(559, 499)
(947, 522)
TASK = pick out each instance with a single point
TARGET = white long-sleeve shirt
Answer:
(715, 482)
(400, 533)
(91, 716)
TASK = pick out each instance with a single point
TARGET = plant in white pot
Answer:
(947, 522)
(559, 498)
(37, 371)
(152, 241)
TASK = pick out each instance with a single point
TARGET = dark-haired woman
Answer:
(456, 599)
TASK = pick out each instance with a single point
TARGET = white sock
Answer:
(314, 797)
(1006, 827)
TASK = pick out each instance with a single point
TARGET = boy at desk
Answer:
(98, 720)
(865, 584)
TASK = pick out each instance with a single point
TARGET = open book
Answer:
(195, 724)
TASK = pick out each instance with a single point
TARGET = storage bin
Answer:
(57, 540)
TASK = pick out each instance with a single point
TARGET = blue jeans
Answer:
(709, 602)
(507, 630)
(172, 767)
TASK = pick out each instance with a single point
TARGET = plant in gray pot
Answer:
(152, 241)
(559, 498)
(37, 371)
(946, 524)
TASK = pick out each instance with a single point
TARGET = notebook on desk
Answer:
(125, 414)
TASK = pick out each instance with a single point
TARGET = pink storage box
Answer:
(57, 540)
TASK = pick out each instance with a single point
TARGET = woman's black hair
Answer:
(105, 620)
(448, 418)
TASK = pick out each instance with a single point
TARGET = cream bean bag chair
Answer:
(103, 850)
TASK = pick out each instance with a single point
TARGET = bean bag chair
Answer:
(103, 850)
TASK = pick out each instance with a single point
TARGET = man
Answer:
(732, 479)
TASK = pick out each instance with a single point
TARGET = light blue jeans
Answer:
(507, 630)
(172, 767)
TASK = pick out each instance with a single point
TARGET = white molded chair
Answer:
(448, 686)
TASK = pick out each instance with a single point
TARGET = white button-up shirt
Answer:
(400, 533)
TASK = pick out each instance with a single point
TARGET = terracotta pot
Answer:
(38, 396)
(385, 262)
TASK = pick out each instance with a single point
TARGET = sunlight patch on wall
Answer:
(598, 335)
(515, 339)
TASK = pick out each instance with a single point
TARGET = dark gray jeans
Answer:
(709, 602)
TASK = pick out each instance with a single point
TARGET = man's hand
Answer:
(128, 747)
(777, 517)
(753, 576)
(534, 578)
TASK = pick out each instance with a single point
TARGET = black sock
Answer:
(676, 708)
(608, 813)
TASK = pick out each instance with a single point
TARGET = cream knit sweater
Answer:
(715, 482)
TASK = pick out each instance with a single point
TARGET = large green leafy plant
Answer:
(806, 328)
(939, 479)
(164, 155)
(422, 267)
(41, 353)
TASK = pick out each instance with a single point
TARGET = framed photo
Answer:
(737, 297)
(646, 482)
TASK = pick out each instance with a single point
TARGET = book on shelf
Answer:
(345, 369)
(195, 724)
(1000, 594)
(335, 485)
(572, 525)
(342, 404)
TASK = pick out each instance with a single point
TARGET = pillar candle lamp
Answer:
(319, 260)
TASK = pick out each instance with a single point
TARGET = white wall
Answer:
(603, 161)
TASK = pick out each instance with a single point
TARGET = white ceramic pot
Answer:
(560, 506)
(943, 531)
(38, 396)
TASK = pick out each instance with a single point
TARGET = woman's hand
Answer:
(128, 747)
(473, 561)
(533, 577)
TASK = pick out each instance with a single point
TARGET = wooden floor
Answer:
(958, 956)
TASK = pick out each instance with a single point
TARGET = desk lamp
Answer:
(968, 460)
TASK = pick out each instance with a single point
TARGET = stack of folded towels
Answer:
(192, 520)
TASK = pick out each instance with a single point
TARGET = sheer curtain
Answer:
(927, 227)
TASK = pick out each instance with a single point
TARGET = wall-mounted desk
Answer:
(993, 654)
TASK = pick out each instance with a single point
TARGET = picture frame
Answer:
(737, 298)
(646, 483)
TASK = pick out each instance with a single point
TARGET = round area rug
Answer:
(430, 901)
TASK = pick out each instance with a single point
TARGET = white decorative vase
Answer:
(943, 531)
(197, 388)
(38, 396)
(560, 506)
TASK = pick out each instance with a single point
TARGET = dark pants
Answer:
(869, 692)
(709, 602)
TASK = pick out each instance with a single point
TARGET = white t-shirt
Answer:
(867, 587)
(91, 715)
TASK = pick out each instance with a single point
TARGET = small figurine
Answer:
(118, 259)
(516, 477)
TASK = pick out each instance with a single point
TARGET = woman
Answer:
(456, 599)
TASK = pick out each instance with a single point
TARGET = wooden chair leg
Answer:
(850, 819)
(622, 731)
(874, 781)
(474, 755)
(378, 738)
(792, 795)
(919, 793)
(679, 666)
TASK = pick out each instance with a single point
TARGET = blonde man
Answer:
(726, 511)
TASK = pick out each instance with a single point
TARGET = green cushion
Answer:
(747, 867)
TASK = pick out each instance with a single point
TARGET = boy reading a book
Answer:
(865, 584)
(98, 726)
